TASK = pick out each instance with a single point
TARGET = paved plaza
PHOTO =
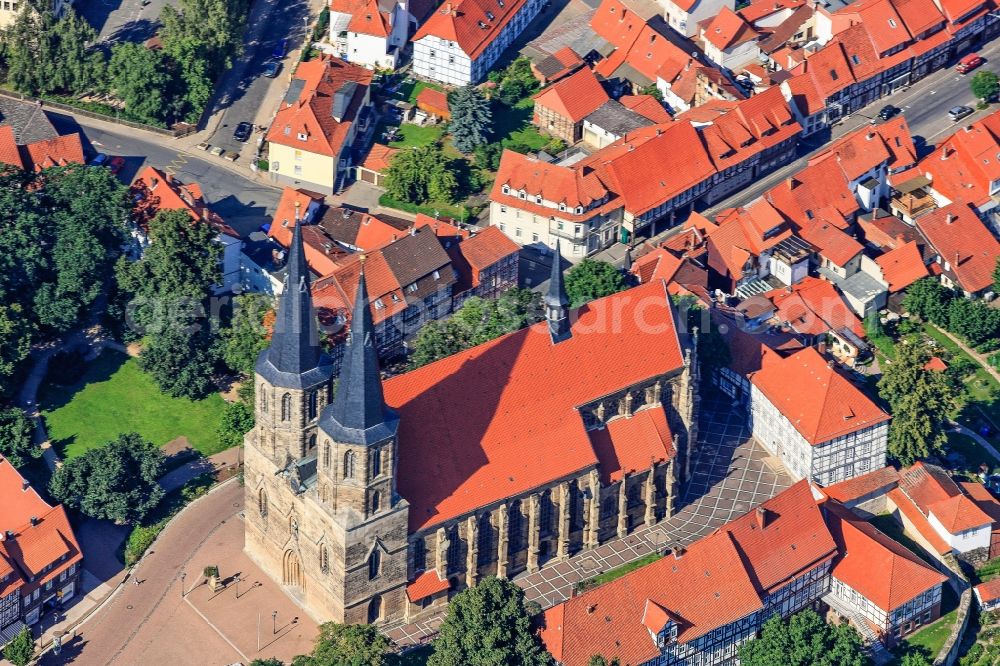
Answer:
(731, 473)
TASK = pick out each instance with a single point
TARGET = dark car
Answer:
(116, 164)
(242, 131)
(956, 113)
(100, 159)
(887, 112)
(280, 49)
(271, 69)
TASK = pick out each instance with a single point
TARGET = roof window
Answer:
(379, 305)
(892, 23)
(834, 75)
(437, 275)
(302, 136)
(490, 15)
(855, 60)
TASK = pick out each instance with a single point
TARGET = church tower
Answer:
(557, 302)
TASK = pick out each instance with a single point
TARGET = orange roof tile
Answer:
(284, 218)
(988, 591)
(912, 514)
(435, 101)
(632, 444)
(961, 239)
(959, 514)
(816, 399)
(20, 501)
(728, 29)
(59, 151)
(936, 364)
(574, 97)
(468, 23)
(311, 115)
(880, 569)
(902, 266)
(927, 484)
(860, 486)
(814, 306)
(570, 186)
(485, 249)
(646, 106)
(379, 157)
(983, 498)
(520, 428)
(425, 585)
(9, 151)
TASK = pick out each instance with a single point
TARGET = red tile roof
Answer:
(728, 29)
(918, 520)
(959, 514)
(988, 591)
(483, 250)
(311, 115)
(902, 266)
(284, 218)
(983, 498)
(814, 306)
(365, 16)
(468, 23)
(434, 101)
(574, 97)
(20, 501)
(819, 402)
(860, 486)
(59, 151)
(961, 239)
(379, 157)
(936, 364)
(965, 164)
(425, 585)
(9, 151)
(632, 444)
(570, 186)
(926, 485)
(831, 242)
(520, 429)
(763, 8)
(647, 106)
(880, 569)
(719, 579)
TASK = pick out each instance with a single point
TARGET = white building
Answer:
(820, 425)
(684, 15)
(462, 39)
(730, 41)
(369, 32)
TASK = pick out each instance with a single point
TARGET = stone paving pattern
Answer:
(731, 474)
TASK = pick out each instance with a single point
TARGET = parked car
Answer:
(100, 159)
(969, 63)
(116, 164)
(888, 111)
(958, 112)
(280, 49)
(271, 69)
(242, 132)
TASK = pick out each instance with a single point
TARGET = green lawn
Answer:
(409, 89)
(434, 209)
(984, 390)
(617, 572)
(930, 639)
(413, 136)
(513, 125)
(114, 397)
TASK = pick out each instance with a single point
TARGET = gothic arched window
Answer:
(349, 465)
(515, 526)
(326, 455)
(376, 462)
(263, 398)
(313, 404)
(286, 407)
(376, 501)
(486, 551)
(419, 554)
(545, 514)
(375, 564)
(262, 502)
(324, 559)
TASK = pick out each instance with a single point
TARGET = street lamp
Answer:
(183, 576)
(274, 623)
(237, 587)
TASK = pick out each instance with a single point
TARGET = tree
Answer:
(928, 299)
(996, 276)
(420, 175)
(347, 645)
(973, 320)
(141, 79)
(920, 400)
(245, 337)
(477, 321)
(985, 85)
(804, 640)
(237, 421)
(270, 661)
(915, 659)
(598, 660)
(15, 343)
(488, 156)
(487, 625)
(21, 649)
(652, 91)
(116, 481)
(180, 358)
(592, 279)
(471, 118)
(17, 443)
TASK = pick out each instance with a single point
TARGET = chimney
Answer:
(413, 230)
(792, 182)
(949, 218)
(760, 516)
(34, 520)
(25, 485)
(679, 552)
(591, 608)
(944, 153)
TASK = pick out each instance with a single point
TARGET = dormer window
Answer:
(437, 275)
(892, 23)
(579, 210)
(395, 298)
(522, 195)
(379, 305)
(302, 136)
(411, 287)
(538, 198)
(505, 189)
(562, 207)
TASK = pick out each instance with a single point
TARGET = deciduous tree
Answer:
(471, 118)
(116, 481)
(928, 299)
(237, 421)
(21, 649)
(348, 645)
(488, 625)
(17, 443)
(15, 342)
(804, 640)
(592, 279)
(420, 175)
(246, 337)
(985, 85)
(141, 79)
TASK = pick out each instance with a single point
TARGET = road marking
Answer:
(933, 92)
(176, 164)
(216, 629)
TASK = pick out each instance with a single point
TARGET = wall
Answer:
(578, 240)
(316, 170)
(440, 60)
(965, 541)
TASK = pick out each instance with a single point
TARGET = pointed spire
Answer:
(295, 358)
(557, 302)
(358, 413)
(627, 262)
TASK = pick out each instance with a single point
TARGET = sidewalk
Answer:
(982, 441)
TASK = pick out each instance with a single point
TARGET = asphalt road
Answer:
(123, 20)
(243, 203)
(925, 105)
(244, 91)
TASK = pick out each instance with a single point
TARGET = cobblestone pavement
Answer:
(731, 474)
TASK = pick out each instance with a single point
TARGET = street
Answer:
(925, 106)
(243, 203)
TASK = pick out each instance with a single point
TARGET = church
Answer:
(374, 501)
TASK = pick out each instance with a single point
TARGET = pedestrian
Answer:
(135, 581)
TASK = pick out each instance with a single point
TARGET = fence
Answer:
(179, 130)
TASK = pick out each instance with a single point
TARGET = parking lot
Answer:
(123, 20)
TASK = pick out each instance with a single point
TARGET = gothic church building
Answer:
(374, 501)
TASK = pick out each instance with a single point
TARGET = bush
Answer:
(140, 539)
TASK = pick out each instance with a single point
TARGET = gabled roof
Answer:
(58, 151)
(483, 250)
(631, 444)
(573, 186)
(366, 17)
(330, 93)
(880, 569)
(988, 591)
(20, 500)
(814, 306)
(425, 585)
(902, 266)
(860, 486)
(357, 229)
(728, 29)
(520, 429)
(575, 96)
(472, 24)
(154, 190)
(646, 105)
(958, 514)
(963, 241)
(819, 402)
(379, 157)
(831, 242)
